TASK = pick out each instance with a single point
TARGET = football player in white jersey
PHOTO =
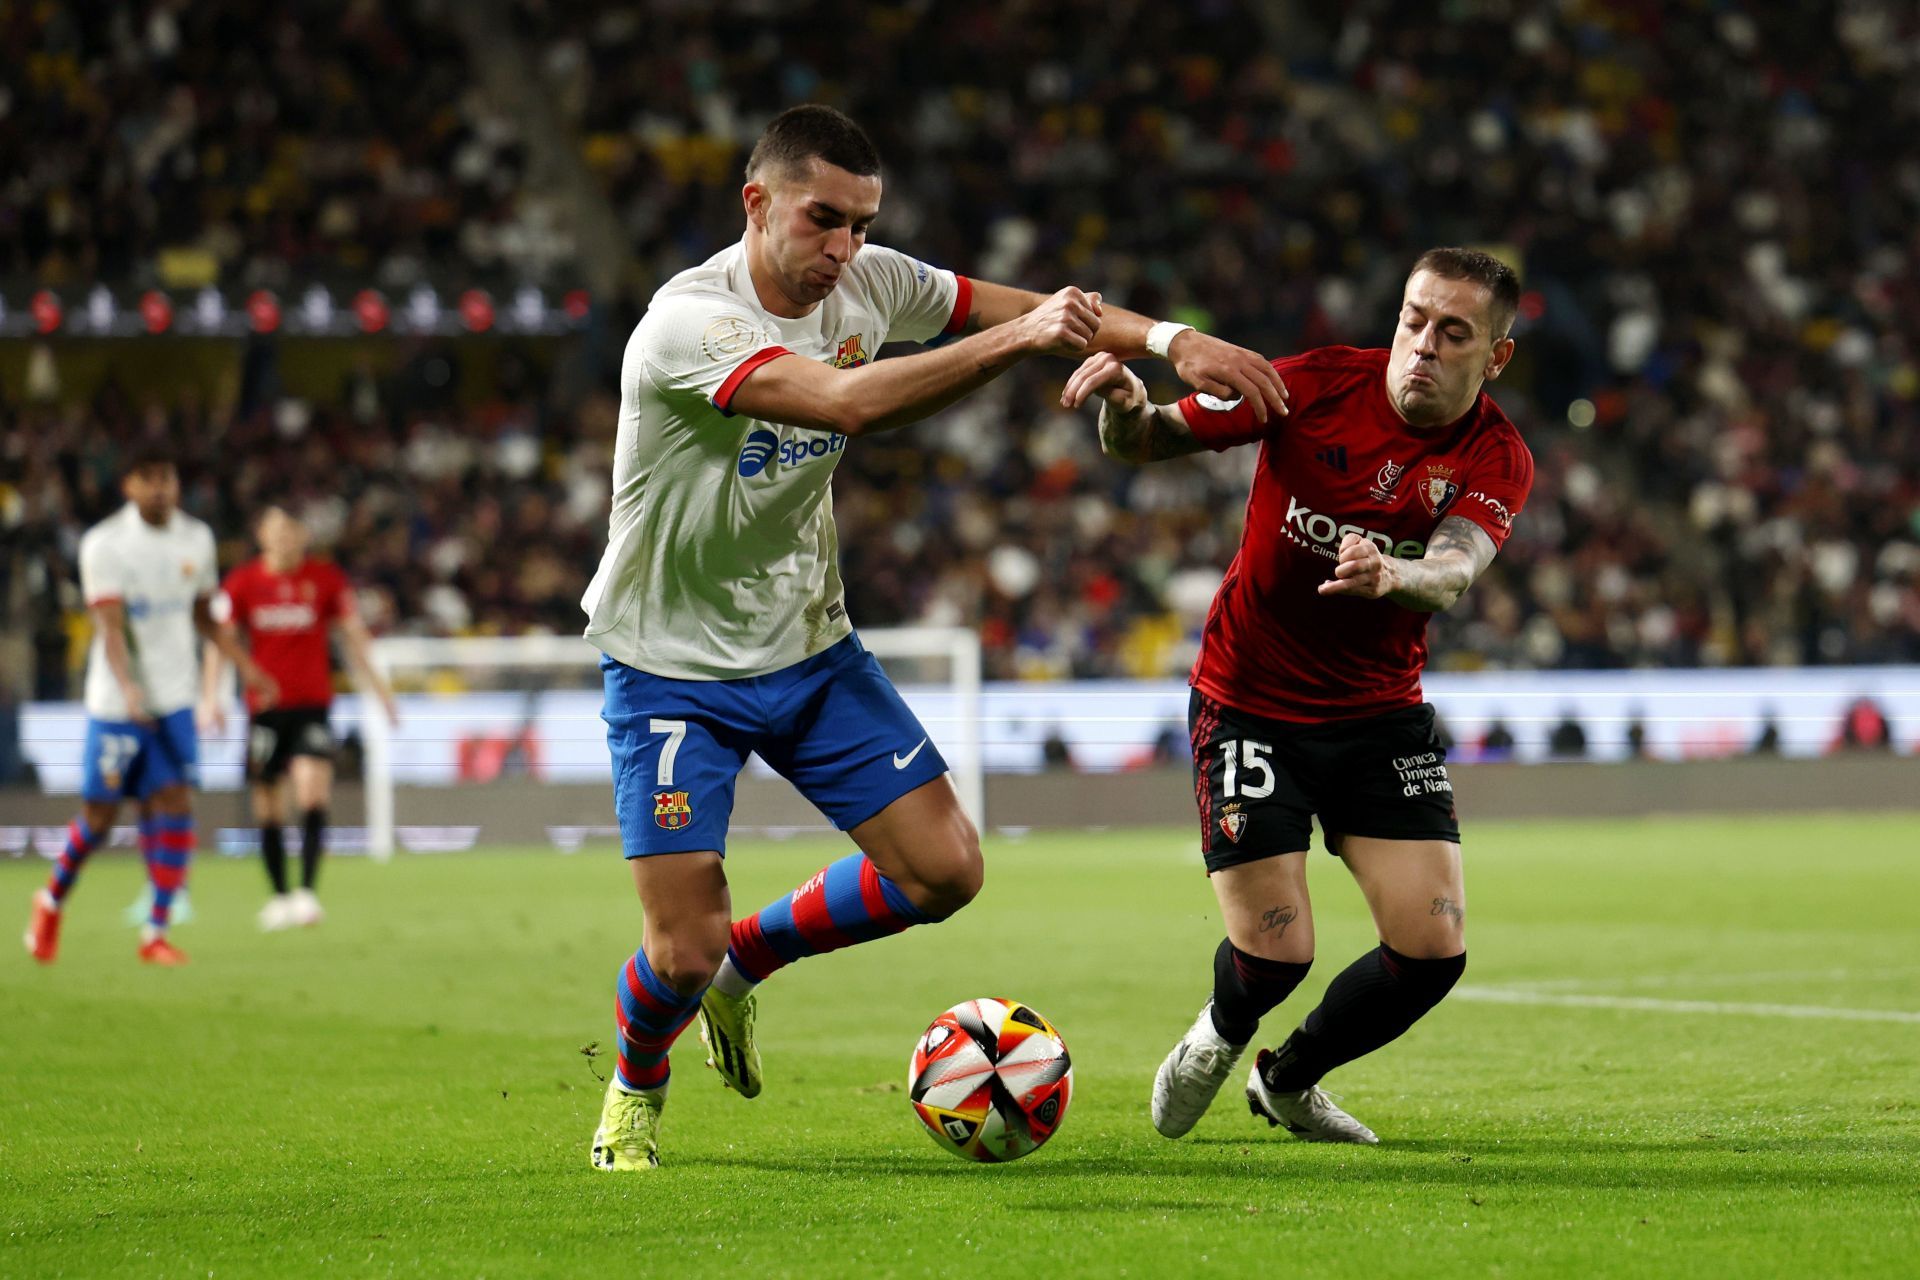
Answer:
(148, 574)
(718, 603)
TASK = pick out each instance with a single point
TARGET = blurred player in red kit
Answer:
(288, 604)
(1377, 500)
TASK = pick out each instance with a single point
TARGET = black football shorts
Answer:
(1259, 783)
(275, 737)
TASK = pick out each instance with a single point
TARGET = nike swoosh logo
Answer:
(901, 762)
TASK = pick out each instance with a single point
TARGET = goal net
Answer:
(520, 717)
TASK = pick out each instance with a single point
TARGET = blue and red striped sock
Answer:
(846, 903)
(81, 841)
(167, 841)
(650, 1016)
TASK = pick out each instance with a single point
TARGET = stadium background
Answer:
(1712, 208)
(381, 260)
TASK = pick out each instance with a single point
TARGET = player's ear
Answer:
(1502, 352)
(756, 199)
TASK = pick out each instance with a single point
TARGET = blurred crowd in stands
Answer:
(1713, 208)
(188, 142)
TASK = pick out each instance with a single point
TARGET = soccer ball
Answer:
(990, 1080)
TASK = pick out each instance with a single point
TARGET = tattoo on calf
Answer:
(1447, 907)
(1277, 920)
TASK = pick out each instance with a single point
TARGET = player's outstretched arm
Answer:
(358, 643)
(892, 393)
(223, 637)
(1458, 552)
(1132, 428)
(1203, 362)
(212, 717)
(110, 619)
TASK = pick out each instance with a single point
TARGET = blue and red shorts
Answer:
(833, 725)
(127, 760)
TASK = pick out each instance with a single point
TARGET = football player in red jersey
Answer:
(288, 604)
(1376, 501)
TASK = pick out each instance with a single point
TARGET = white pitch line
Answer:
(1647, 1004)
(1712, 979)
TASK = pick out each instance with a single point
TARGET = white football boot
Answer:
(277, 914)
(1191, 1075)
(1308, 1115)
(305, 910)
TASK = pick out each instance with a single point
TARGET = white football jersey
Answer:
(156, 574)
(722, 561)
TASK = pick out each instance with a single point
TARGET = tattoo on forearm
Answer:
(1456, 554)
(1276, 920)
(1457, 533)
(1121, 433)
(1447, 907)
(1151, 434)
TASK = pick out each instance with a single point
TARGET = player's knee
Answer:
(1428, 928)
(1438, 944)
(955, 879)
(686, 960)
(176, 799)
(1285, 946)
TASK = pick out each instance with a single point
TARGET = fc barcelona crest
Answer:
(672, 809)
(850, 355)
(1233, 822)
(1437, 489)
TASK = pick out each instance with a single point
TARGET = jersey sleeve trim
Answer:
(1485, 521)
(1219, 424)
(724, 396)
(108, 598)
(1495, 498)
(962, 304)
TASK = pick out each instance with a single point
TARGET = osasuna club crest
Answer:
(1436, 488)
(1233, 822)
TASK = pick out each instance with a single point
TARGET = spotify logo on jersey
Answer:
(763, 449)
(757, 452)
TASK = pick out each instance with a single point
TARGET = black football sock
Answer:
(1371, 1003)
(313, 835)
(273, 851)
(1245, 987)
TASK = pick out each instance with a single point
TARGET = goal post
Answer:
(481, 660)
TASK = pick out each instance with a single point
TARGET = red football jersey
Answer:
(1342, 461)
(286, 617)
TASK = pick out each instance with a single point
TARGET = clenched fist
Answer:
(1063, 325)
(1362, 571)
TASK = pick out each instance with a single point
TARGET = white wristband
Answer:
(1161, 336)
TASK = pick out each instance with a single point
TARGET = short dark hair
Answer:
(275, 502)
(1483, 269)
(799, 134)
(153, 451)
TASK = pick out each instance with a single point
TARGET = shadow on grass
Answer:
(1518, 1163)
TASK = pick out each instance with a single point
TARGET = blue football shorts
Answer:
(833, 725)
(130, 761)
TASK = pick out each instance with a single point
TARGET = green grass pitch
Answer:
(402, 1089)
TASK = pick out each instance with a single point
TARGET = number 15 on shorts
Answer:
(1252, 757)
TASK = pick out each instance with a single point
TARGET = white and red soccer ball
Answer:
(990, 1080)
